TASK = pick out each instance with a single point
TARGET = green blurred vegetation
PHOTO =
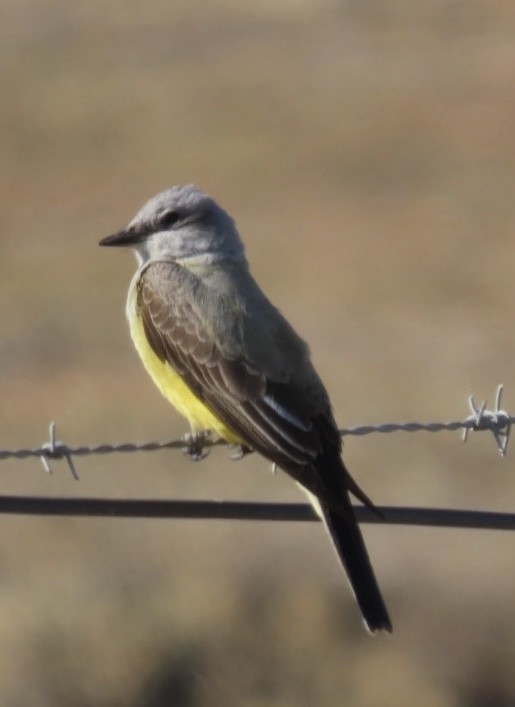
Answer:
(367, 152)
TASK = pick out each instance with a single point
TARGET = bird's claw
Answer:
(194, 445)
(239, 451)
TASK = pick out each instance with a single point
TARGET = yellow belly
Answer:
(174, 388)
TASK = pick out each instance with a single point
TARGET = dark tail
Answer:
(350, 546)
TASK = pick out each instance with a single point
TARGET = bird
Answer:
(227, 359)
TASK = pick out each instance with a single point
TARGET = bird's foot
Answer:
(194, 445)
(239, 451)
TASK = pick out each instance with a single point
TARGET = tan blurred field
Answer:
(367, 152)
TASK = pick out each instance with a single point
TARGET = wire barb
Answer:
(56, 450)
(497, 421)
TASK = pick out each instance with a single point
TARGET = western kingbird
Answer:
(228, 360)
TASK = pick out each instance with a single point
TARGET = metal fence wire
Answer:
(497, 421)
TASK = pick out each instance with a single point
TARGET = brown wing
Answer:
(272, 417)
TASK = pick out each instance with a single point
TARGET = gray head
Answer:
(182, 224)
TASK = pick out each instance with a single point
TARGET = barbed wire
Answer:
(497, 421)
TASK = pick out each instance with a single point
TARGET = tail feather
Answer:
(351, 550)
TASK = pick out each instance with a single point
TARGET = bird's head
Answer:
(181, 224)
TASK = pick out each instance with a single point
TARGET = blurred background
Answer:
(367, 151)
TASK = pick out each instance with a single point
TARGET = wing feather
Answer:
(269, 415)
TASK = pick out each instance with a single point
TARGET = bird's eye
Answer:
(169, 218)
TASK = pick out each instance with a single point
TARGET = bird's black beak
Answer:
(125, 237)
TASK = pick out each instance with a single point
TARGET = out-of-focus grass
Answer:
(367, 152)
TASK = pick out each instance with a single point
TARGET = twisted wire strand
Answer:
(59, 450)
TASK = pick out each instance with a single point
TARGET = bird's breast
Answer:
(169, 382)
